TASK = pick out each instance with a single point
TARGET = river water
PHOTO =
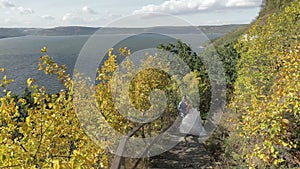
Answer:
(20, 56)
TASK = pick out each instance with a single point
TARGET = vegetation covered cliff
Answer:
(261, 123)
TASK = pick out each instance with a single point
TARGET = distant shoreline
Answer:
(78, 30)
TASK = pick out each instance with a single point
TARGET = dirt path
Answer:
(188, 154)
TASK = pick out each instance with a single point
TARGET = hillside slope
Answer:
(263, 115)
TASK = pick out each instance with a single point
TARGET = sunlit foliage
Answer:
(266, 96)
(67, 129)
(40, 130)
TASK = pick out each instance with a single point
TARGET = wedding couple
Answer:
(191, 121)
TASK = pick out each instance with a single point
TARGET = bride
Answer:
(191, 122)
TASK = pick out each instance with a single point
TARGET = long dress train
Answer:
(192, 124)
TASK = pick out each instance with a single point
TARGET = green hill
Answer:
(78, 30)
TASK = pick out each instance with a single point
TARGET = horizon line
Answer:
(123, 27)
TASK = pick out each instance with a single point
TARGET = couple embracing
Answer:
(191, 121)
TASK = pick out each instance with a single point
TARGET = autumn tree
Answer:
(70, 130)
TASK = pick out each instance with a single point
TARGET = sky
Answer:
(126, 13)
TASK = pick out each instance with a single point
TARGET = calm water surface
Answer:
(20, 56)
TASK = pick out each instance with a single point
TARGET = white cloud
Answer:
(109, 15)
(24, 11)
(89, 10)
(193, 6)
(178, 6)
(6, 4)
(48, 17)
(243, 3)
(7, 20)
(70, 18)
(84, 17)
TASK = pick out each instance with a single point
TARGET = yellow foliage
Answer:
(63, 130)
(266, 96)
(42, 130)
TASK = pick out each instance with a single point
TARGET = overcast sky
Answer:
(52, 13)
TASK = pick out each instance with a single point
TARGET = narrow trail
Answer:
(180, 150)
(187, 154)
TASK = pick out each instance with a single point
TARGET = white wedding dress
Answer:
(192, 124)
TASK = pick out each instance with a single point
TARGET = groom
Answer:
(184, 106)
(191, 123)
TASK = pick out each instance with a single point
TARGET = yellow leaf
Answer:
(128, 52)
(23, 101)
(55, 164)
(272, 149)
(50, 105)
(44, 49)
(28, 120)
(29, 81)
(33, 167)
(285, 121)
